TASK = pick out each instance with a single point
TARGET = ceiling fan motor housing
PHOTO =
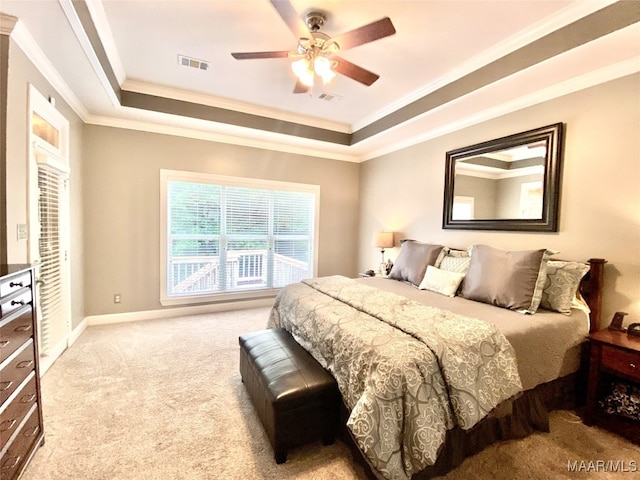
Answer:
(315, 20)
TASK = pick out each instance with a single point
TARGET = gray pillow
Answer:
(561, 286)
(413, 260)
(509, 279)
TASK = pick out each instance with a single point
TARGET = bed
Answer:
(455, 350)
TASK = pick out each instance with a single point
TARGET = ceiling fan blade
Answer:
(300, 87)
(292, 19)
(252, 55)
(353, 71)
(365, 34)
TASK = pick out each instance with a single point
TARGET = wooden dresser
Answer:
(21, 428)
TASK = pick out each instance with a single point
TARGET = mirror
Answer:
(511, 183)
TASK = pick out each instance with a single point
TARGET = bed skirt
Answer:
(518, 419)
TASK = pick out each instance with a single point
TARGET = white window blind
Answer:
(229, 235)
(55, 327)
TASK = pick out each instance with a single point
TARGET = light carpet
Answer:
(163, 399)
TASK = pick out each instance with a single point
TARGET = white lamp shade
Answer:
(322, 66)
(303, 71)
(383, 239)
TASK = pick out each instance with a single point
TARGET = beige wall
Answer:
(22, 73)
(600, 197)
(122, 193)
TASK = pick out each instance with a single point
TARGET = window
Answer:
(227, 237)
(531, 200)
(462, 208)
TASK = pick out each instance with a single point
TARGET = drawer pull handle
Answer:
(25, 364)
(22, 328)
(8, 466)
(5, 386)
(632, 365)
(32, 432)
(17, 302)
(16, 284)
(28, 398)
(7, 425)
(4, 343)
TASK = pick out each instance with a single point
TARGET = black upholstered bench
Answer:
(297, 400)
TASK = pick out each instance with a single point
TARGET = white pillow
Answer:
(441, 281)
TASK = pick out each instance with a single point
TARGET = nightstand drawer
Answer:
(621, 361)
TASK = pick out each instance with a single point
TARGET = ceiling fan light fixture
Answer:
(304, 71)
(322, 66)
(318, 49)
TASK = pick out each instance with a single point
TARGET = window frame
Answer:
(186, 176)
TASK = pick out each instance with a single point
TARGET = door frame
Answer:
(54, 156)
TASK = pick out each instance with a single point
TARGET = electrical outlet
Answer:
(117, 298)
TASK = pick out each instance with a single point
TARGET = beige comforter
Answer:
(408, 372)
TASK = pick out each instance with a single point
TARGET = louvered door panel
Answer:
(53, 307)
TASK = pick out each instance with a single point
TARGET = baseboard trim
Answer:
(174, 312)
(76, 332)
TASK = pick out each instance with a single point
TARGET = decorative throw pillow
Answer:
(412, 262)
(441, 281)
(509, 279)
(455, 261)
(561, 286)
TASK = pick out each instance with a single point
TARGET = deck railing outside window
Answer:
(244, 268)
(234, 236)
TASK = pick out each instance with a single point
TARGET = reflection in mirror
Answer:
(502, 184)
(511, 183)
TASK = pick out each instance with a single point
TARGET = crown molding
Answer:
(85, 43)
(167, 124)
(597, 77)
(99, 17)
(30, 48)
(192, 97)
(7, 23)
(564, 17)
(204, 130)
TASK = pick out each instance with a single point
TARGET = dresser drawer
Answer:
(16, 371)
(12, 416)
(621, 361)
(14, 283)
(14, 333)
(18, 451)
(15, 301)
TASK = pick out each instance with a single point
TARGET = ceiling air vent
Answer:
(329, 97)
(193, 62)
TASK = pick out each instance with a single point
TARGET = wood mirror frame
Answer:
(551, 137)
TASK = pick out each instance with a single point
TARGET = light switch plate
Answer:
(23, 231)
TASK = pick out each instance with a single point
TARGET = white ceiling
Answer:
(436, 43)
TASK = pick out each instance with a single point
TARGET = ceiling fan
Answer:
(316, 53)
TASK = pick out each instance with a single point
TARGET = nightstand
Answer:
(615, 357)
